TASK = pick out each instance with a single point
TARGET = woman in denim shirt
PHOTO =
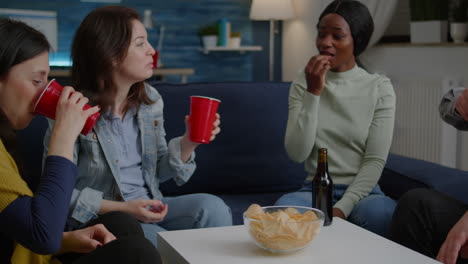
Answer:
(125, 158)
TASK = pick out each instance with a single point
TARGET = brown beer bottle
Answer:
(322, 188)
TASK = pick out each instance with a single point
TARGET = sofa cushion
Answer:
(248, 156)
(453, 182)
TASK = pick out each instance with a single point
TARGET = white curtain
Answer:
(382, 12)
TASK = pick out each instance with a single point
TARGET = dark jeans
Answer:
(423, 218)
(131, 246)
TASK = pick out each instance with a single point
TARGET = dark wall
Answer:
(182, 19)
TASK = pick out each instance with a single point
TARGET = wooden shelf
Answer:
(409, 44)
(241, 49)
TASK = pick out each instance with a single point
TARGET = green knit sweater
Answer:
(353, 118)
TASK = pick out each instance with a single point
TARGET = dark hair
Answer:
(101, 41)
(19, 43)
(358, 18)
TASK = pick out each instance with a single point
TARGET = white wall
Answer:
(417, 61)
(299, 37)
(435, 66)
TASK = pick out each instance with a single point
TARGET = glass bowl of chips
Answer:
(283, 229)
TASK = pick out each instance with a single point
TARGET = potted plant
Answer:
(429, 21)
(209, 35)
(235, 40)
(458, 20)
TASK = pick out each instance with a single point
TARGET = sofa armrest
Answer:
(394, 184)
(403, 173)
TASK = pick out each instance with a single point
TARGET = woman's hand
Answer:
(315, 73)
(187, 146)
(147, 211)
(86, 240)
(69, 121)
(338, 213)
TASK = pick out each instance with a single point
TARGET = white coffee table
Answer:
(342, 242)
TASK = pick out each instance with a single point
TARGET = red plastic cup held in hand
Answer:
(202, 116)
(46, 105)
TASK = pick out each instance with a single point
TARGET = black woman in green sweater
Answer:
(337, 105)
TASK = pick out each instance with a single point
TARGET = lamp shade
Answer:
(271, 10)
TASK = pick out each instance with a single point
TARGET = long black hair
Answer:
(19, 43)
(358, 18)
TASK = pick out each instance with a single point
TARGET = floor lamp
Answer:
(271, 10)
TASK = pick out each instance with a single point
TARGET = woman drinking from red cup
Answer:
(46, 105)
(32, 221)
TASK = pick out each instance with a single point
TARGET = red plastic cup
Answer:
(46, 105)
(202, 116)
(155, 59)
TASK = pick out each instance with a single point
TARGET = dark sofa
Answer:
(247, 162)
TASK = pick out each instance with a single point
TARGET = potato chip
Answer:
(254, 211)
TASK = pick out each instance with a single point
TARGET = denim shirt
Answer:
(125, 132)
(97, 159)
